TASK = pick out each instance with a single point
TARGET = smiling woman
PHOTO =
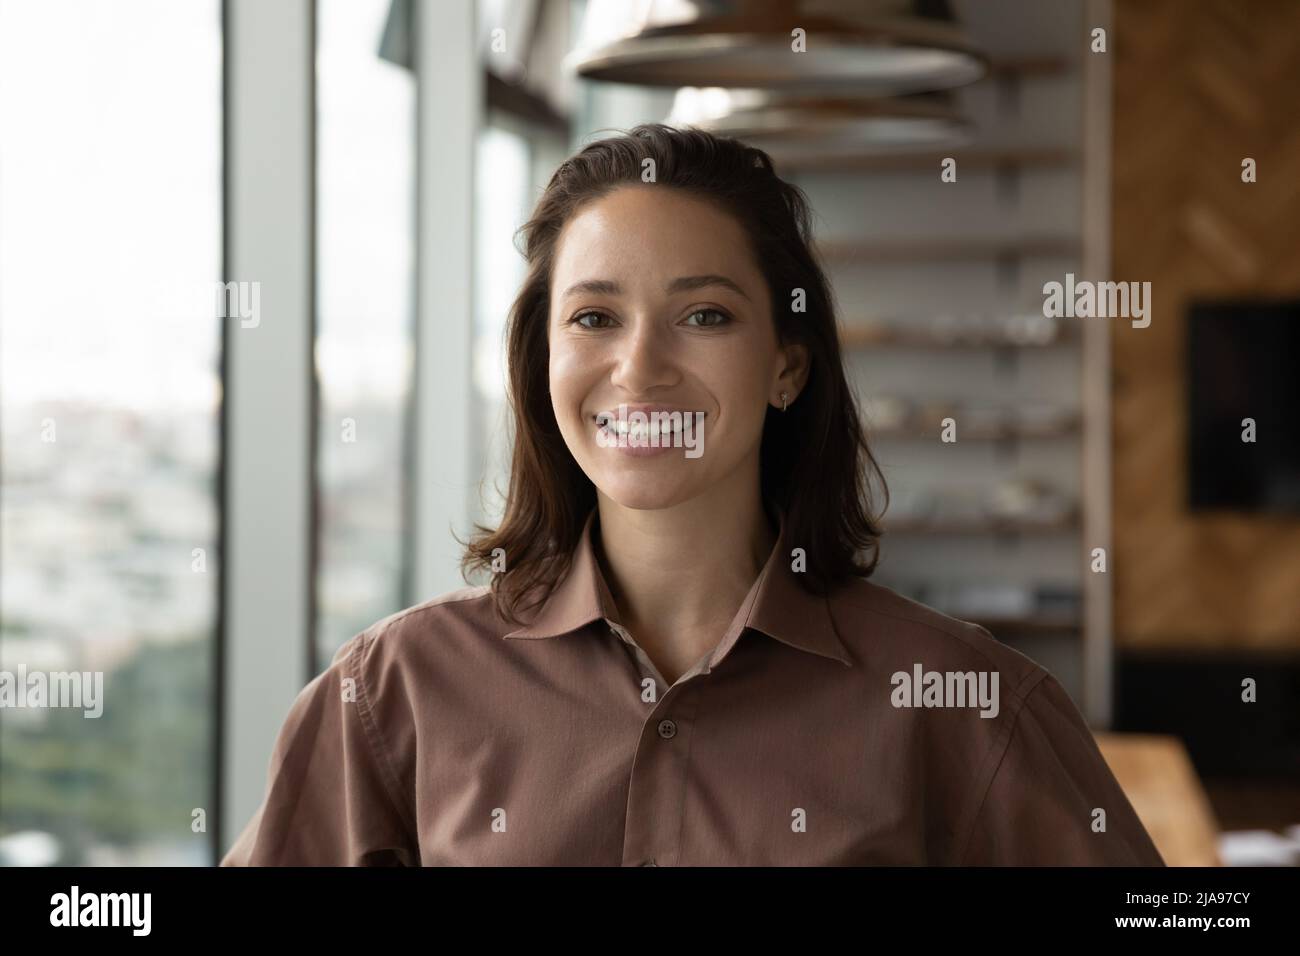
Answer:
(681, 660)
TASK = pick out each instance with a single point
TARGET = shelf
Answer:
(968, 158)
(980, 526)
(860, 336)
(1036, 625)
(1019, 432)
(902, 250)
(1020, 66)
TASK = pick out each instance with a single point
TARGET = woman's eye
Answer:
(709, 318)
(578, 319)
(721, 318)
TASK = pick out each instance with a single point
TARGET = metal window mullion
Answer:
(268, 391)
(449, 110)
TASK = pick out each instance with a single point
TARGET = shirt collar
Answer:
(777, 605)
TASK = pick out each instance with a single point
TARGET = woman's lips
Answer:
(652, 438)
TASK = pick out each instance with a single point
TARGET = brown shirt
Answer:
(812, 734)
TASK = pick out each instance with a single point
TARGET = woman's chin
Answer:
(645, 493)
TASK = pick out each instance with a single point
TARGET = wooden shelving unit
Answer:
(1016, 139)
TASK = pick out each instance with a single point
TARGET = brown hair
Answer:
(815, 463)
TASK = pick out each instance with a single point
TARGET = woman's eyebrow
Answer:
(691, 283)
(680, 284)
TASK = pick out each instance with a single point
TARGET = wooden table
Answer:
(1158, 779)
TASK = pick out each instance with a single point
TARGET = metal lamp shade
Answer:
(869, 46)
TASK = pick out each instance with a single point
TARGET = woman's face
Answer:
(656, 300)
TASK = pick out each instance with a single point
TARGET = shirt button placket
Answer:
(660, 776)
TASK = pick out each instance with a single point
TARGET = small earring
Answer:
(783, 396)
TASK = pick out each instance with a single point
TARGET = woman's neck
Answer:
(679, 574)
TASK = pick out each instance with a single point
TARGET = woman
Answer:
(680, 659)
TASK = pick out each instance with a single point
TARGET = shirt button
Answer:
(667, 729)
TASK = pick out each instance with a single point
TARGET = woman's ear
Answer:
(794, 372)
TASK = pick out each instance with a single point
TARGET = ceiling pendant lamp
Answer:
(793, 125)
(874, 47)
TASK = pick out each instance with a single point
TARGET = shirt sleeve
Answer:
(332, 797)
(1049, 781)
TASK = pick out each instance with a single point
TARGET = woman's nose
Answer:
(644, 359)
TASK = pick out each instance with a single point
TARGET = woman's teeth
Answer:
(635, 430)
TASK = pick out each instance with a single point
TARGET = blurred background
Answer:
(256, 258)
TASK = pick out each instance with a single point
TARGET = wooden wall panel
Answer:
(1198, 87)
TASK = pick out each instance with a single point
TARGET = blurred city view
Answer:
(110, 207)
(98, 532)
(110, 254)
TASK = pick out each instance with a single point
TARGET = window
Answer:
(110, 254)
(501, 205)
(365, 232)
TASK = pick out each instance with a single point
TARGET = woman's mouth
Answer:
(648, 433)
